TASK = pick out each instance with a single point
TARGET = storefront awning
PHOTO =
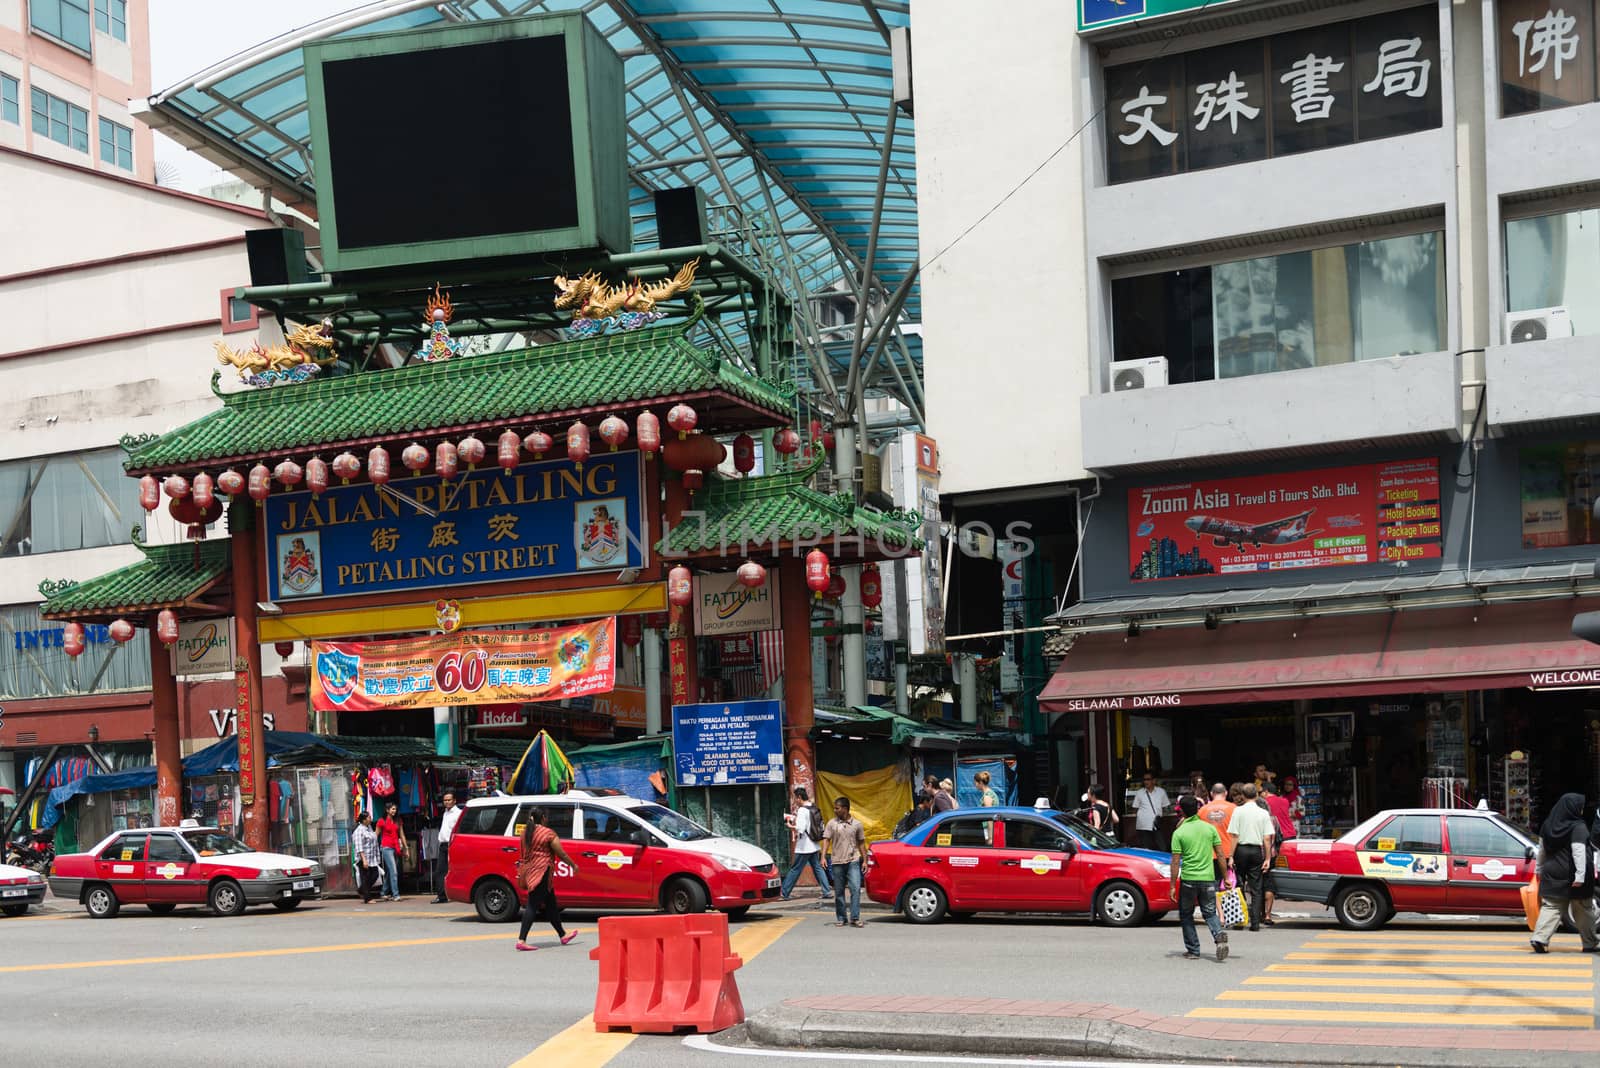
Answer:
(1425, 651)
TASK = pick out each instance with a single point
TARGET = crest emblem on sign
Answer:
(601, 531)
(298, 572)
(337, 671)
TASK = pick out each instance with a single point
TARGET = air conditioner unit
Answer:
(1146, 373)
(1538, 324)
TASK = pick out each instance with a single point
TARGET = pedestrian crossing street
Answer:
(1449, 978)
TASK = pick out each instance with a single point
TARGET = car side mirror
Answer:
(1529, 852)
(639, 838)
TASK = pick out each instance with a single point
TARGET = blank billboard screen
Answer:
(451, 143)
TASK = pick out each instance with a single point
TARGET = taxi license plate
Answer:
(304, 884)
(774, 882)
(21, 891)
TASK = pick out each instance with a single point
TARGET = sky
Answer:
(187, 36)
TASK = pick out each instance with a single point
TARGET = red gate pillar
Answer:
(794, 607)
(244, 524)
(168, 734)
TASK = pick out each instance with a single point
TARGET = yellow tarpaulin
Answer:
(877, 798)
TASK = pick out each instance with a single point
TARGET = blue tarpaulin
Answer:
(1002, 779)
(626, 767)
(130, 779)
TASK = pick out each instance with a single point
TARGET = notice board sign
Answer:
(1332, 517)
(733, 743)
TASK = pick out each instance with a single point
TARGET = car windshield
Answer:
(215, 843)
(1095, 839)
(676, 827)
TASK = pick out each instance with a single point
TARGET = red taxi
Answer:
(164, 867)
(1435, 860)
(19, 888)
(630, 854)
(1017, 860)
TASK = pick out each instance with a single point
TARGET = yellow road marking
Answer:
(1430, 983)
(581, 1046)
(1483, 946)
(290, 951)
(1413, 958)
(1358, 948)
(1459, 1019)
(1425, 969)
(1464, 997)
(1509, 935)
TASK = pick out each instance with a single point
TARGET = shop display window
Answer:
(1558, 494)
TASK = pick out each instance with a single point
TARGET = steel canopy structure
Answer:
(782, 111)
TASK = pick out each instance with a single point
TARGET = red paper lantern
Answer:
(188, 510)
(378, 465)
(471, 451)
(682, 418)
(177, 487)
(444, 460)
(744, 454)
(289, 473)
(121, 631)
(347, 466)
(260, 483)
(613, 431)
(817, 571)
(751, 575)
(203, 490)
(693, 480)
(578, 443)
(167, 626)
(657, 621)
(832, 637)
(316, 474)
(508, 450)
(538, 443)
(284, 649)
(72, 639)
(415, 457)
(647, 429)
(827, 440)
(680, 587)
(871, 586)
(836, 586)
(630, 630)
(149, 493)
(230, 482)
(700, 452)
(815, 426)
(786, 441)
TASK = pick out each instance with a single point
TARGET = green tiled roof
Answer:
(165, 578)
(748, 512)
(522, 386)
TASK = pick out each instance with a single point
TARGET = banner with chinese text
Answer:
(465, 668)
(1368, 514)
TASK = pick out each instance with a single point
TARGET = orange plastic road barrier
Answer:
(662, 973)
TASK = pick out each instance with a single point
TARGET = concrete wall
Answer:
(1536, 381)
(1004, 338)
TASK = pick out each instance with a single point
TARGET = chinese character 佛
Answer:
(1552, 36)
(1399, 69)
(1308, 82)
(1144, 122)
(1223, 100)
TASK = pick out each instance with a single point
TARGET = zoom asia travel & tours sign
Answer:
(541, 520)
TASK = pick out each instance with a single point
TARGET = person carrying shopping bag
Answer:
(1566, 875)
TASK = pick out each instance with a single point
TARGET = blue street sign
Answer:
(729, 743)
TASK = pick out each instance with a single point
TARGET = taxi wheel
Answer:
(495, 901)
(14, 910)
(735, 915)
(226, 898)
(924, 903)
(101, 901)
(1362, 907)
(683, 897)
(286, 904)
(1120, 905)
(161, 908)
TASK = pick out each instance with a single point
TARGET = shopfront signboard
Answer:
(624, 704)
(722, 605)
(1333, 517)
(204, 647)
(728, 744)
(541, 520)
(485, 667)
(1095, 14)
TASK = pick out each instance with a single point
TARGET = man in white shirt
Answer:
(447, 828)
(806, 825)
(1251, 829)
(1149, 802)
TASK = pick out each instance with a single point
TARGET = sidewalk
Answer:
(1000, 1027)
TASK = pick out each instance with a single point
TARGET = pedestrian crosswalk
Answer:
(1444, 977)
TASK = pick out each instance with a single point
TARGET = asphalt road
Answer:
(422, 983)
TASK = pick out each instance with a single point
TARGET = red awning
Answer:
(1422, 651)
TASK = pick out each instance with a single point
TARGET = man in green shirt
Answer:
(1196, 850)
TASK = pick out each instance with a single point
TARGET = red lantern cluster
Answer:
(751, 575)
(578, 443)
(378, 465)
(187, 510)
(289, 473)
(149, 493)
(177, 487)
(682, 418)
(121, 631)
(744, 454)
(445, 458)
(230, 482)
(347, 466)
(647, 429)
(630, 631)
(680, 587)
(538, 443)
(415, 457)
(508, 450)
(871, 586)
(316, 474)
(786, 441)
(817, 571)
(167, 626)
(614, 431)
(72, 639)
(203, 490)
(471, 451)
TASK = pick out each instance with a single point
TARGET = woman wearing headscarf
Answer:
(1566, 875)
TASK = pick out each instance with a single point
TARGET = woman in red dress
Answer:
(541, 848)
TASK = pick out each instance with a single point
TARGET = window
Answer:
(1410, 834)
(237, 315)
(1363, 301)
(1330, 85)
(1547, 54)
(485, 819)
(65, 20)
(165, 847)
(1553, 261)
(1558, 493)
(111, 17)
(969, 832)
(606, 825)
(1031, 834)
(557, 817)
(1474, 836)
(60, 121)
(53, 503)
(34, 662)
(126, 847)
(10, 99)
(116, 144)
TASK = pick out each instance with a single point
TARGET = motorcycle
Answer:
(35, 852)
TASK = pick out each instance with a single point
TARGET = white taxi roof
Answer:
(604, 798)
